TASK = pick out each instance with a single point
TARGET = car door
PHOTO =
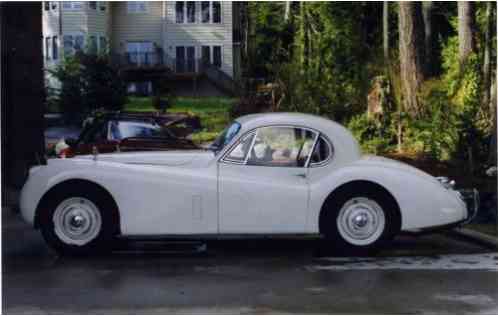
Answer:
(262, 181)
(97, 137)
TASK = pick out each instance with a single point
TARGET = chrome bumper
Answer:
(471, 199)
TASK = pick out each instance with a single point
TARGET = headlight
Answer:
(447, 183)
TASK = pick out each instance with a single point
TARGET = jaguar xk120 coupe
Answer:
(266, 174)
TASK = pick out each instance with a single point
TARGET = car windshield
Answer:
(123, 129)
(225, 137)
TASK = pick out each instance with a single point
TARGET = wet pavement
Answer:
(429, 274)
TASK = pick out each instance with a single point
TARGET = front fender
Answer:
(43, 178)
(423, 202)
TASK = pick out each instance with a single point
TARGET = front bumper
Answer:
(471, 199)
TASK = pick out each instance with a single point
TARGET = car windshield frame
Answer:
(225, 137)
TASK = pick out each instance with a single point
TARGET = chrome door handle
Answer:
(301, 175)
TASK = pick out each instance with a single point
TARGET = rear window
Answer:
(322, 152)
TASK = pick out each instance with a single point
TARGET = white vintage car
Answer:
(266, 174)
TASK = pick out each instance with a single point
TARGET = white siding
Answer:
(199, 34)
(98, 21)
(50, 21)
(138, 26)
(157, 25)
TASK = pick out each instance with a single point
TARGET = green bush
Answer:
(374, 136)
(436, 133)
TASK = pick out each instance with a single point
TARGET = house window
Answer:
(68, 45)
(137, 6)
(47, 48)
(46, 5)
(72, 5)
(216, 12)
(187, 15)
(206, 55)
(102, 44)
(92, 5)
(79, 42)
(102, 6)
(55, 48)
(140, 53)
(210, 12)
(180, 59)
(205, 12)
(92, 45)
(54, 5)
(190, 11)
(190, 59)
(217, 56)
(179, 10)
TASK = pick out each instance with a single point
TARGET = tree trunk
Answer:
(486, 71)
(287, 11)
(385, 25)
(411, 43)
(493, 147)
(304, 36)
(466, 30)
(427, 14)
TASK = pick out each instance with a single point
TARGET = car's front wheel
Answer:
(78, 223)
(361, 223)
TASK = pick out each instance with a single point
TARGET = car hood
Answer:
(393, 164)
(176, 158)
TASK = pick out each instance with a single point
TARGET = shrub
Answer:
(374, 136)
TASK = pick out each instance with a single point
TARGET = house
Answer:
(189, 43)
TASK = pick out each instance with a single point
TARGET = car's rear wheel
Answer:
(360, 223)
(78, 223)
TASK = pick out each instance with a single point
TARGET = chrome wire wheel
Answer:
(77, 221)
(361, 221)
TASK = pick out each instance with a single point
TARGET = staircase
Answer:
(197, 68)
(222, 81)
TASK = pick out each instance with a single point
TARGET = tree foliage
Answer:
(325, 56)
(87, 82)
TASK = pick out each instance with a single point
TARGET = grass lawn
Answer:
(213, 112)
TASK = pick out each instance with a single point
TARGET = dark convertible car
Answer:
(131, 132)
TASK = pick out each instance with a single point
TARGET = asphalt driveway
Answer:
(430, 274)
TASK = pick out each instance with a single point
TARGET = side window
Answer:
(239, 152)
(281, 147)
(322, 152)
(115, 133)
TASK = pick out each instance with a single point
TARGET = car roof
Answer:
(323, 125)
(341, 138)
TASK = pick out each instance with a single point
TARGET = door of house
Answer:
(185, 59)
(190, 59)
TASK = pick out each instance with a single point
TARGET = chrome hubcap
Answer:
(77, 221)
(361, 221)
